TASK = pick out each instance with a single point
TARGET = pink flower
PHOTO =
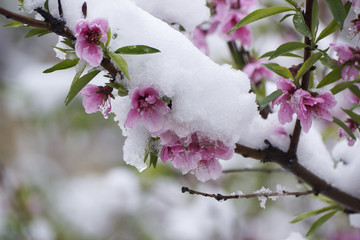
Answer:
(256, 72)
(347, 54)
(96, 98)
(286, 109)
(89, 34)
(308, 107)
(197, 154)
(341, 132)
(225, 19)
(147, 106)
(208, 169)
(199, 40)
(302, 103)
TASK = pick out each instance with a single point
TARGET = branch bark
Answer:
(290, 163)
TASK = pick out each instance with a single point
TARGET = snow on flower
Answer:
(147, 106)
(96, 98)
(196, 153)
(341, 132)
(89, 34)
(256, 72)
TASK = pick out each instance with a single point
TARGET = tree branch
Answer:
(290, 163)
(57, 26)
(221, 197)
(305, 79)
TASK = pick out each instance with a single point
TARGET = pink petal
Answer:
(93, 55)
(208, 169)
(285, 113)
(132, 118)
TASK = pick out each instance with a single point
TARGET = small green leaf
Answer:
(260, 14)
(355, 117)
(270, 98)
(121, 63)
(269, 54)
(355, 90)
(46, 5)
(21, 1)
(279, 70)
(331, 77)
(14, 24)
(68, 63)
(343, 126)
(287, 47)
(338, 11)
(300, 25)
(318, 223)
(341, 87)
(333, 26)
(306, 215)
(293, 3)
(308, 64)
(108, 37)
(153, 160)
(122, 91)
(36, 32)
(68, 43)
(78, 84)
(286, 16)
(137, 49)
(315, 18)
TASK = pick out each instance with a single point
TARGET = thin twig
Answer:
(221, 197)
(262, 170)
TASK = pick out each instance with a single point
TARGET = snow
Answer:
(188, 13)
(355, 220)
(295, 236)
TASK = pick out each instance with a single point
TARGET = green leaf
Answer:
(318, 223)
(333, 26)
(306, 215)
(308, 64)
(331, 77)
(315, 18)
(270, 98)
(269, 54)
(300, 25)
(46, 5)
(341, 87)
(287, 47)
(355, 117)
(279, 70)
(108, 37)
(78, 84)
(68, 43)
(68, 63)
(355, 90)
(153, 160)
(343, 126)
(338, 11)
(121, 63)
(21, 1)
(36, 32)
(137, 49)
(260, 14)
(14, 24)
(293, 3)
(122, 91)
(286, 16)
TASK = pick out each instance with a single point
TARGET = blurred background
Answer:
(62, 176)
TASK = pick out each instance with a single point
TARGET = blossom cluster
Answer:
(303, 103)
(226, 14)
(195, 153)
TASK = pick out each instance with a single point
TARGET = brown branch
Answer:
(319, 185)
(305, 79)
(58, 27)
(221, 197)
